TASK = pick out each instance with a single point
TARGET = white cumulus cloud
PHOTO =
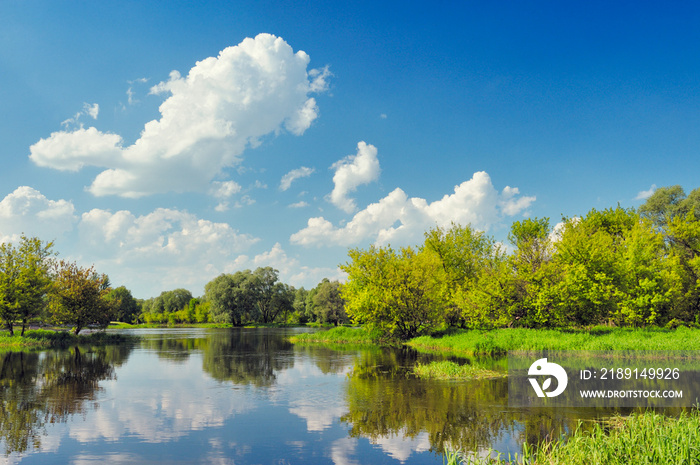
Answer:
(224, 105)
(351, 172)
(28, 211)
(401, 220)
(163, 249)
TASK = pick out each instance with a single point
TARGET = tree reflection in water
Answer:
(247, 356)
(37, 388)
(385, 400)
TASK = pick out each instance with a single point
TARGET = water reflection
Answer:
(48, 387)
(397, 411)
(247, 357)
(249, 396)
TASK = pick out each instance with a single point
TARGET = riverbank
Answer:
(648, 437)
(500, 341)
(43, 339)
(338, 335)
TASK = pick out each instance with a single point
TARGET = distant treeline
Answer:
(244, 297)
(617, 266)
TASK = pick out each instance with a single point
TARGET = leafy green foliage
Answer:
(611, 266)
(78, 297)
(328, 304)
(249, 296)
(397, 293)
(24, 280)
(126, 308)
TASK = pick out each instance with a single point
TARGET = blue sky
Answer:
(169, 142)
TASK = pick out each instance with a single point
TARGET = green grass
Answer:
(448, 370)
(338, 335)
(500, 341)
(42, 338)
(643, 438)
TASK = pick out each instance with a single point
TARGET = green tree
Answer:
(301, 314)
(462, 253)
(684, 234)
(229, 301)
(126, 308)
(271, 298)
(24, 280)
(329, 304)
(395, 293)
(667, 203)
(78, 297)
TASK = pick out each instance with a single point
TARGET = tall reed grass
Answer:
(647, 438)
(500, 341)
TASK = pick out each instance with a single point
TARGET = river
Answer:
(247, 396)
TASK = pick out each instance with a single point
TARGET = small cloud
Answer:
(383, 116)
(224, 190)
(91, 110)
(351, 172)
(301, 204)
(245, 201)
(289, 178)
(643, 195)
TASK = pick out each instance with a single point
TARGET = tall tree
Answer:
(329, 304)
(126, 308)
(664, 204)
(78, 297)
(395, 293)
(227, 297)
(24, 280)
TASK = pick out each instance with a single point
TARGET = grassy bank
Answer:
(643, 438)
(42, 338)
(338, 335)
(500, 341)
(448, 370)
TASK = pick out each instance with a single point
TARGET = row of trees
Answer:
(616, 266)
(240, 298)
(35, 287)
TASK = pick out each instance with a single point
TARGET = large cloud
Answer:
(398, 219)
(351, 172)
(224, 105)
(160, 250)
(26, 210)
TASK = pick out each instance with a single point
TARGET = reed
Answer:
(642, 438)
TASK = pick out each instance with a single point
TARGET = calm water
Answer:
(246, 396)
